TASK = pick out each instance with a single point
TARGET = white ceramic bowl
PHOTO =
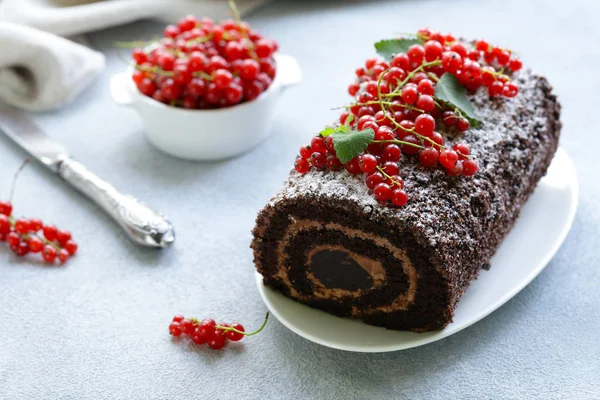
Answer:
(205, 135)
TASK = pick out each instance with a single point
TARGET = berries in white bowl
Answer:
(206, 90)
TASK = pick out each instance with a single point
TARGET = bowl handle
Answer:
(288, 70)
(120, 89)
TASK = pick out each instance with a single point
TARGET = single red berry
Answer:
(197, 336)
(196, 87)
(333, 163)
(391, 168)
(428, 157)
(6, 208)
(22, 226)
(50, 232)
(410, 94)
(374, 179)
(4, 224)
(368, 163)
(13, 239)
(426, 103)
(401, 61)
(510, 89)
(353, 89)
(186, 326)
(178, 318)
(63, 256)
(344, 117)
(217, 340)
(222, 78)
(250, 69)
(264, 48)
(382, 192)
(462, 124)
(449, 118)
(49, 254)
(365, 110)
(329, 144)
(460, 49)
(35, 244)
(415, 53)
(399, 197)
(456, 170)
(469, 167)
(495, 89)
(436, 138)
(482, 45)
(317, 144)
(391, 152)
(170, 89)
(139, 56)
(448, 158)
(234, 93)
(20, 249)
(318, 160)
(515, 64)
(353, 166)
(174, 329)
(462, 150)
(301, 165)
(62, 237)
(234, 336)
(305, 152)
(425, 125)
(384, 133)
(425, 86)
(408, 149)
(35, 224)
(451, 61)
(488, 75)
(433, 50)
(503, 57)
(418, 77)
(171, 31)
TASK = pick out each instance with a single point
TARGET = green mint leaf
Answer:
(390, 47)
(450, 91)
(349, 145)
(328, 131)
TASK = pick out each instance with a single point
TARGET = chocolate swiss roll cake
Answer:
(326, 241)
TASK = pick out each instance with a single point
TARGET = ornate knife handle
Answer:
(142, 224)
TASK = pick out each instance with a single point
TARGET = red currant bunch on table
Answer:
(33, 236)
(207, 331)
(396, 99)
(201, 64)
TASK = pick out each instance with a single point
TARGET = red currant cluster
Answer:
(32, 236)
(209, 332)
(397, 101)
(199, 64)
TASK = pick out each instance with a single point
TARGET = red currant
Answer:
(333, 163)
(399, 197)
(62, 237)
(174, 329)
(469, 167)
(456, 170)
(353, 166)
(408, 149)
(368, 163)
(35, 244)
(448, 159)
(425, 125)
(301, 165)
(382, 192)
(429, 157)
(425, 103)
(391, 152)
(49, 254)
(462, 124)
(462, 150)
(374, 179)
(235, 336)
(318, 160)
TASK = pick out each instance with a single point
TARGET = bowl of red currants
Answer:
(206, 90)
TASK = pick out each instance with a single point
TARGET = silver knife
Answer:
(142, 224)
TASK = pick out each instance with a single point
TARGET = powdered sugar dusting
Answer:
(456, 213)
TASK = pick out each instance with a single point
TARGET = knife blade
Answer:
(142, 224)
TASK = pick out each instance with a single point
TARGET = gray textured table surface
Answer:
(97, 329)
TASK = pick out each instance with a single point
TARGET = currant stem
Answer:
(394, 182)
(15, 177)
(229, 328)
(396, 141)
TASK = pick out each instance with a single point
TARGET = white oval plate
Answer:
(515, 264)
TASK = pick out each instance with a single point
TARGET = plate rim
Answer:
(431, 337)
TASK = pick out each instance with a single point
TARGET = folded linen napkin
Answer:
(41, 71)
(68, 17)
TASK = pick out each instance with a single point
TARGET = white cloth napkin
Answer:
(40, 71)
(68, 17)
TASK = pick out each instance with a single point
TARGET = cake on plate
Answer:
(390, 213)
